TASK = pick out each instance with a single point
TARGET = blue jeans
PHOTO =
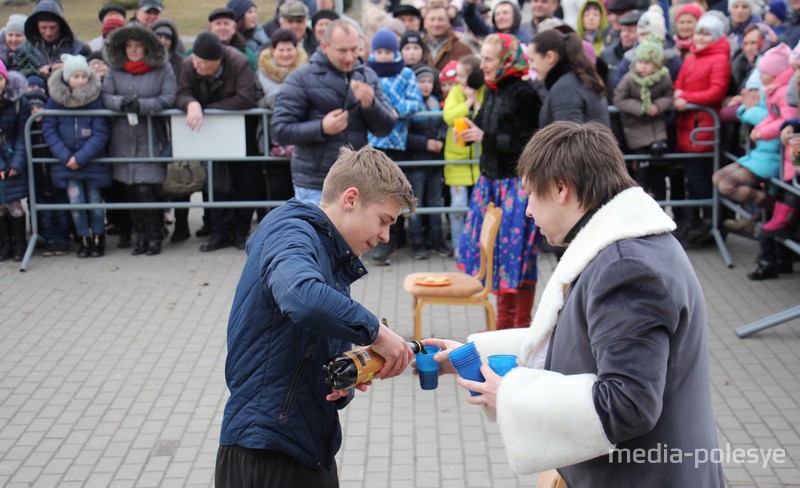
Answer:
(77, 192)
(308, 195)
(427, 186)
(459, 197)
(54, 225)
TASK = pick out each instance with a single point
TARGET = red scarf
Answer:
(136, 67)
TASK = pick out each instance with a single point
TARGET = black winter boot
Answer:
(181, 232)
(141, 245)
(85, 249)
(6, 250)
(20, 239)
(98, 245)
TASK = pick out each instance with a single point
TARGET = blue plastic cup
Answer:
(467, 362)
(502, 363)
(427, 368)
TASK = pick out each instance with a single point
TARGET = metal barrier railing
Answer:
(36, 207)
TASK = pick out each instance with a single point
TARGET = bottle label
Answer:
(367, 363)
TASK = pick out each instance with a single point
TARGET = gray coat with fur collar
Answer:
(155, 91)
(624, 320)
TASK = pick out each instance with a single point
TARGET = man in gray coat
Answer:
(616, 391)
(329, 103)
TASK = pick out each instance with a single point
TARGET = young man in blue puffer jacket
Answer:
(292, 312)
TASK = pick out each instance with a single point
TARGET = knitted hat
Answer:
(323, 14)
(411, 37)
(36, 97)
(775, 61)
(35, 80)
(448, 72)
(652, 22)
(73, 64)
(16, 23)
(164, 30)
(293, 9)
(423, 70)
(384, 39)
(151, 4)
(690, 8)
(110, 24)
(394, 25)
(240, 7)
(3, 70)
(222, 13)
(651, 49)
(111, 7)
(207, 46)
(711, 24)
(778, 9)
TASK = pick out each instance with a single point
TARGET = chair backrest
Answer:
(489, 230)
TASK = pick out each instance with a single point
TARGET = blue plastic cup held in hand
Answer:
(467, 362)
(502, 363)
(427, 368)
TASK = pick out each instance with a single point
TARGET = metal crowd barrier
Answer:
(36, 207)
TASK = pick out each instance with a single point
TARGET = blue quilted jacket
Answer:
(291, 313)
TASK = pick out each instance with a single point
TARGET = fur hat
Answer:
(73, 64)
(690, 8)
(711, 24)
(776, 60)
(282, 35)
(651, 49)
(778, 9)
(755, 7)
(385, 39)
(448, 72)
(652, 22)
(16, 23)
(208, 46)
(240, 7)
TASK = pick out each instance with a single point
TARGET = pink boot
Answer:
(781, 222)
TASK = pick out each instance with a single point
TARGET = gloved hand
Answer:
(130, 104)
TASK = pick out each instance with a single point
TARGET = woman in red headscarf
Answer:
(506, 121)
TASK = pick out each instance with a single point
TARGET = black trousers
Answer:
(148, 223)
(240, 467)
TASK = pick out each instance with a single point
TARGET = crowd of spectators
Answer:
(332, 81)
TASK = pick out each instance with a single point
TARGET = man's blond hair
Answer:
(376, 177)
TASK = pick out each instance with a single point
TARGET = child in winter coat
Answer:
(14, 112)
(76, 141)
(703, 80)
(400, 87)
(425, 142)
(464, 100)
(54, 225)
(742, 180)
(592, 21)
(644, 95)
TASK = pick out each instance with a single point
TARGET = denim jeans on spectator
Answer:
(54, 225)
(308, 195)
(77, 192)
(427, 186)
(459, 197)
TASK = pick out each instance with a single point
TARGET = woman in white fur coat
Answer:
(617, 354)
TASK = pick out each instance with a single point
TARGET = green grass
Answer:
(191, 16)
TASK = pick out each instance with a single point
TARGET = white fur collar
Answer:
(630, 214)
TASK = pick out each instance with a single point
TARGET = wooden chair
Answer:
(463, 289)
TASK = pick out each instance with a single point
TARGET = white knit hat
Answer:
(712, 25)
(652, 22)
(755, 7)
(73, 64)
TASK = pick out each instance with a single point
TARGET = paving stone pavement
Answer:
(111, 374)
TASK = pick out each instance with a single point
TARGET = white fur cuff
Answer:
(507, 341)
(548, 420)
